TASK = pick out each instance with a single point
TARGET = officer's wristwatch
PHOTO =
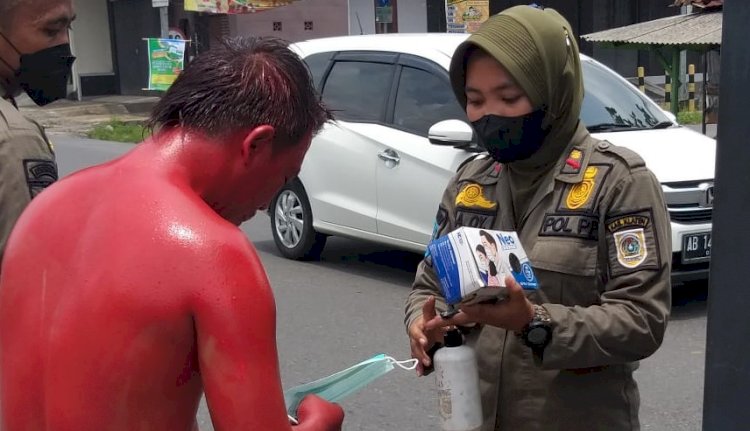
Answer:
(538, 333)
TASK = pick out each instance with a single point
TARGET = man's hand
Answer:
(513, 314)
(422, 339)
(316, 414)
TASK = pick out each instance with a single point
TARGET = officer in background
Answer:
(592, 218)
(35, 58)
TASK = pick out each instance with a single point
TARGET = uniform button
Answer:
(604, 145)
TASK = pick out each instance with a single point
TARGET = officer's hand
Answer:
(314, 413)
(513, 314)
(421, 339)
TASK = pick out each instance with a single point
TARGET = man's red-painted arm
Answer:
(235, 320)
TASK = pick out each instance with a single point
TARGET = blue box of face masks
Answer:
(471, 264)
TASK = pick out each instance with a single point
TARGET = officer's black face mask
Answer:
(508, 139)
(44, 75)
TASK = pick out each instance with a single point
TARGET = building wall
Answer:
(328, 17)
(361, 17)
(412, 16)
(93, 71)
(91, 37)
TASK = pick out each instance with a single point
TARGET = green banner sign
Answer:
(166, 59)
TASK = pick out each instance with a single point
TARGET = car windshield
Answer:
(611, 105)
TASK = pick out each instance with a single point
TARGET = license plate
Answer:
(696, 247)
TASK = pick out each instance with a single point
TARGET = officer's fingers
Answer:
(515, 291)
(418, 353)
(521, 311)
(428, 309)
(481, 313)
(460, 319)
(419, 343)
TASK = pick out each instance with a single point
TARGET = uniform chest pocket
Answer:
(567, 270)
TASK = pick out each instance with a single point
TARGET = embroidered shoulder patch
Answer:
(472, 196)
(631, 247)
(627, 221)
(580, 193)
(632, 243)
(583, 196)
(40, 174)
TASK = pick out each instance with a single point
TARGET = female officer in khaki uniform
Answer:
(592, 218)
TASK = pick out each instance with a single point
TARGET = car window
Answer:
(610, 101)
(358, 91)
(424, 99)
(318, 63)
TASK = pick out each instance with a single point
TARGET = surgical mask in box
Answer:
(472, 264)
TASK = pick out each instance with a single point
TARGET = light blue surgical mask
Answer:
(344, 383)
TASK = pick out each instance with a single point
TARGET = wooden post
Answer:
(691, 88)
(704, 92)
(675, 74)
(642, 79)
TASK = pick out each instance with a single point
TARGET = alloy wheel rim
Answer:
(289, 219)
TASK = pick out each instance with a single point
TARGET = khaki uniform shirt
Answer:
(598, 237)
(27, 165)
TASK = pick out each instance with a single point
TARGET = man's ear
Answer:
(258, 141)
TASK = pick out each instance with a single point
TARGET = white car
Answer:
(373, 174)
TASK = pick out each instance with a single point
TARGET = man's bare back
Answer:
(134, 259)
(127, 290)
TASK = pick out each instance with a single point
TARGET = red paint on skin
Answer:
(120, 280)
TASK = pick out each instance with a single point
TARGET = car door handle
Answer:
(389, 156)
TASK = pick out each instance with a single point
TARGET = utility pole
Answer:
(727, 381)
(163, 6)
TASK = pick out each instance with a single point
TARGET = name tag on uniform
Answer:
(474, 217)
(570, 225)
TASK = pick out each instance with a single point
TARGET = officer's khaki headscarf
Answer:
(539, 50)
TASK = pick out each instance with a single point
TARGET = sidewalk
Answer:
(76, 118)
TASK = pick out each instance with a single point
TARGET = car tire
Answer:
(292, 224)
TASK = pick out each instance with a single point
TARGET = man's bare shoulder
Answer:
(199, 231)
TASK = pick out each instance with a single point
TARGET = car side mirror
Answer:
(671, 116)
(454, 133)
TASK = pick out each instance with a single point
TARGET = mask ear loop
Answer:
(409, 364)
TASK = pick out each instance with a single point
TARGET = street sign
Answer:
(160, 3)
(384, 15)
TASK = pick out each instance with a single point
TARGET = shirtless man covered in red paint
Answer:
(128, 290)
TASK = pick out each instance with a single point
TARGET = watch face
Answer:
(537, 336)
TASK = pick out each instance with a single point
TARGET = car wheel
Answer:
(292, 225)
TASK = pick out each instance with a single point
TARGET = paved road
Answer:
(349, 306)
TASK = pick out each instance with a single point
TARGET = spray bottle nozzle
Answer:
(453, 338)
